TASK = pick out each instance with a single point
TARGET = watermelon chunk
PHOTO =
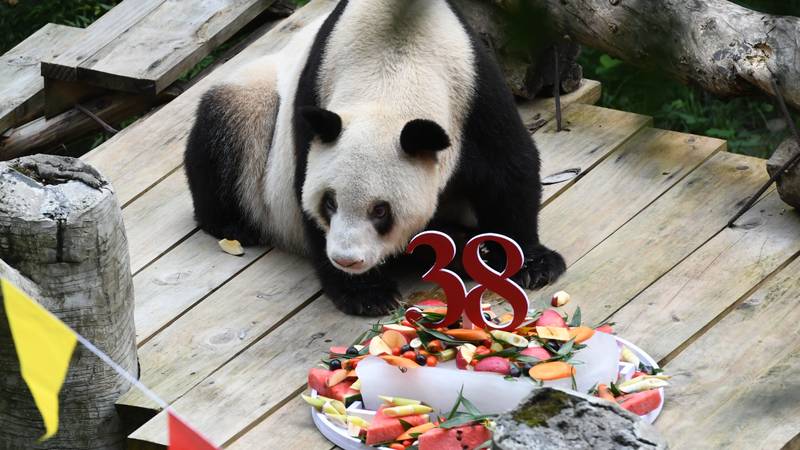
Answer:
(344, 392)
(387, 429)
(461, 438)
(641, 403)
(317, 379)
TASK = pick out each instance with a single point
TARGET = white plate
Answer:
(338, 435)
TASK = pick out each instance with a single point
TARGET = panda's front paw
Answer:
(369, 301)
(542, 267)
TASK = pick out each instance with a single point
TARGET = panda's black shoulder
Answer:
(493, 131)
(306, 94)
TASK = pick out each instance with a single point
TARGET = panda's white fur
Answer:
(413, 61)
(377, 67)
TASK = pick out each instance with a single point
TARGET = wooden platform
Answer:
(228, 341)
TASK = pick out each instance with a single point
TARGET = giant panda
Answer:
(373, 123)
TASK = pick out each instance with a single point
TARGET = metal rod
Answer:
(557, 89)
(108, 128)
(789, 165)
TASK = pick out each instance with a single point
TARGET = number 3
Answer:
(458, 300)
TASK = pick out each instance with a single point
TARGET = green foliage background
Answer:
(751, 125)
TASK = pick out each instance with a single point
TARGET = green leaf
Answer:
(457, 404)
(485, 445)
(566, 348)
(470, 407)
(463, 420)
(576, 318)
(406, 426)
(615, 390)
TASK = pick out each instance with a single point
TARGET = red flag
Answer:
(184, 437)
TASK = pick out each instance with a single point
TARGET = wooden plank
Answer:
(161, 217)
(594, 133)
(169, 287)
(158, 49)
(102, 31)
(619, 188)
(737, 386)
(21, 85)
(661, 236)
(260, 379)
(136, 160)
(717, 275)
(289, 428)
(222, 325)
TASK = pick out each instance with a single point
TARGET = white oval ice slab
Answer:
(503, 394)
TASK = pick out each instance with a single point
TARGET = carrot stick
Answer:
(551, 370)
(399, 361)
(605, 393)
(581, 334)
(463, 334)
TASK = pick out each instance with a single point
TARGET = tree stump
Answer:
(552, 419)
(789, 182)
(62, 241)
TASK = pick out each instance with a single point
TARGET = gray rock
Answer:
(789, 182)
(552, 419)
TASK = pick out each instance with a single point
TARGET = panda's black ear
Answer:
(423, 137)
(326, 124)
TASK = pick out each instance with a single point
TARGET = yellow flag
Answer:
(44, 346)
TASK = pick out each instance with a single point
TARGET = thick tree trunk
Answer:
(723, 48)
(62, 240)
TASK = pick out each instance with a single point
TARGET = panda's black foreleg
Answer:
(369, 294)
(509, 205)
(213, 164)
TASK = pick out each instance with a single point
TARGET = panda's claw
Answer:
(543, 267)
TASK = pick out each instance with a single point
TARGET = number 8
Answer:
(458, 300)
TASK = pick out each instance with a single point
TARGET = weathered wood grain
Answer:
(21, 84)
(259, 379)
(100, 33)
(619, 188)
(661, 236)
(171, 39)
(591, 134)
(136, 160)
(173, 284)
(224, 324)
(61, 233)
(701, 288)
(161, 217)
(737, 386)
(288, 428)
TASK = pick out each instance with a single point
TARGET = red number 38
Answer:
(459, 301)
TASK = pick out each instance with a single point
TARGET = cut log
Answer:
(717, 45)
(63, 242)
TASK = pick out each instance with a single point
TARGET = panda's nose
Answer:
(348, 263)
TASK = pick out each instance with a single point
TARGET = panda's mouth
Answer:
(352, 266)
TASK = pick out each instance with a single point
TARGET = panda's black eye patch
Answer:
(381, 217)
(328, 206)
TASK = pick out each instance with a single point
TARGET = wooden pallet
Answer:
(228, 341)
(142, 47)
(21, 85)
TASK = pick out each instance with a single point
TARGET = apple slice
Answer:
(464, 356)
(407, 332)
(378, 347)
(394, 338)
(550, 318)
(337, 377)
(555, 333)
(536, 352)
(494, 364)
